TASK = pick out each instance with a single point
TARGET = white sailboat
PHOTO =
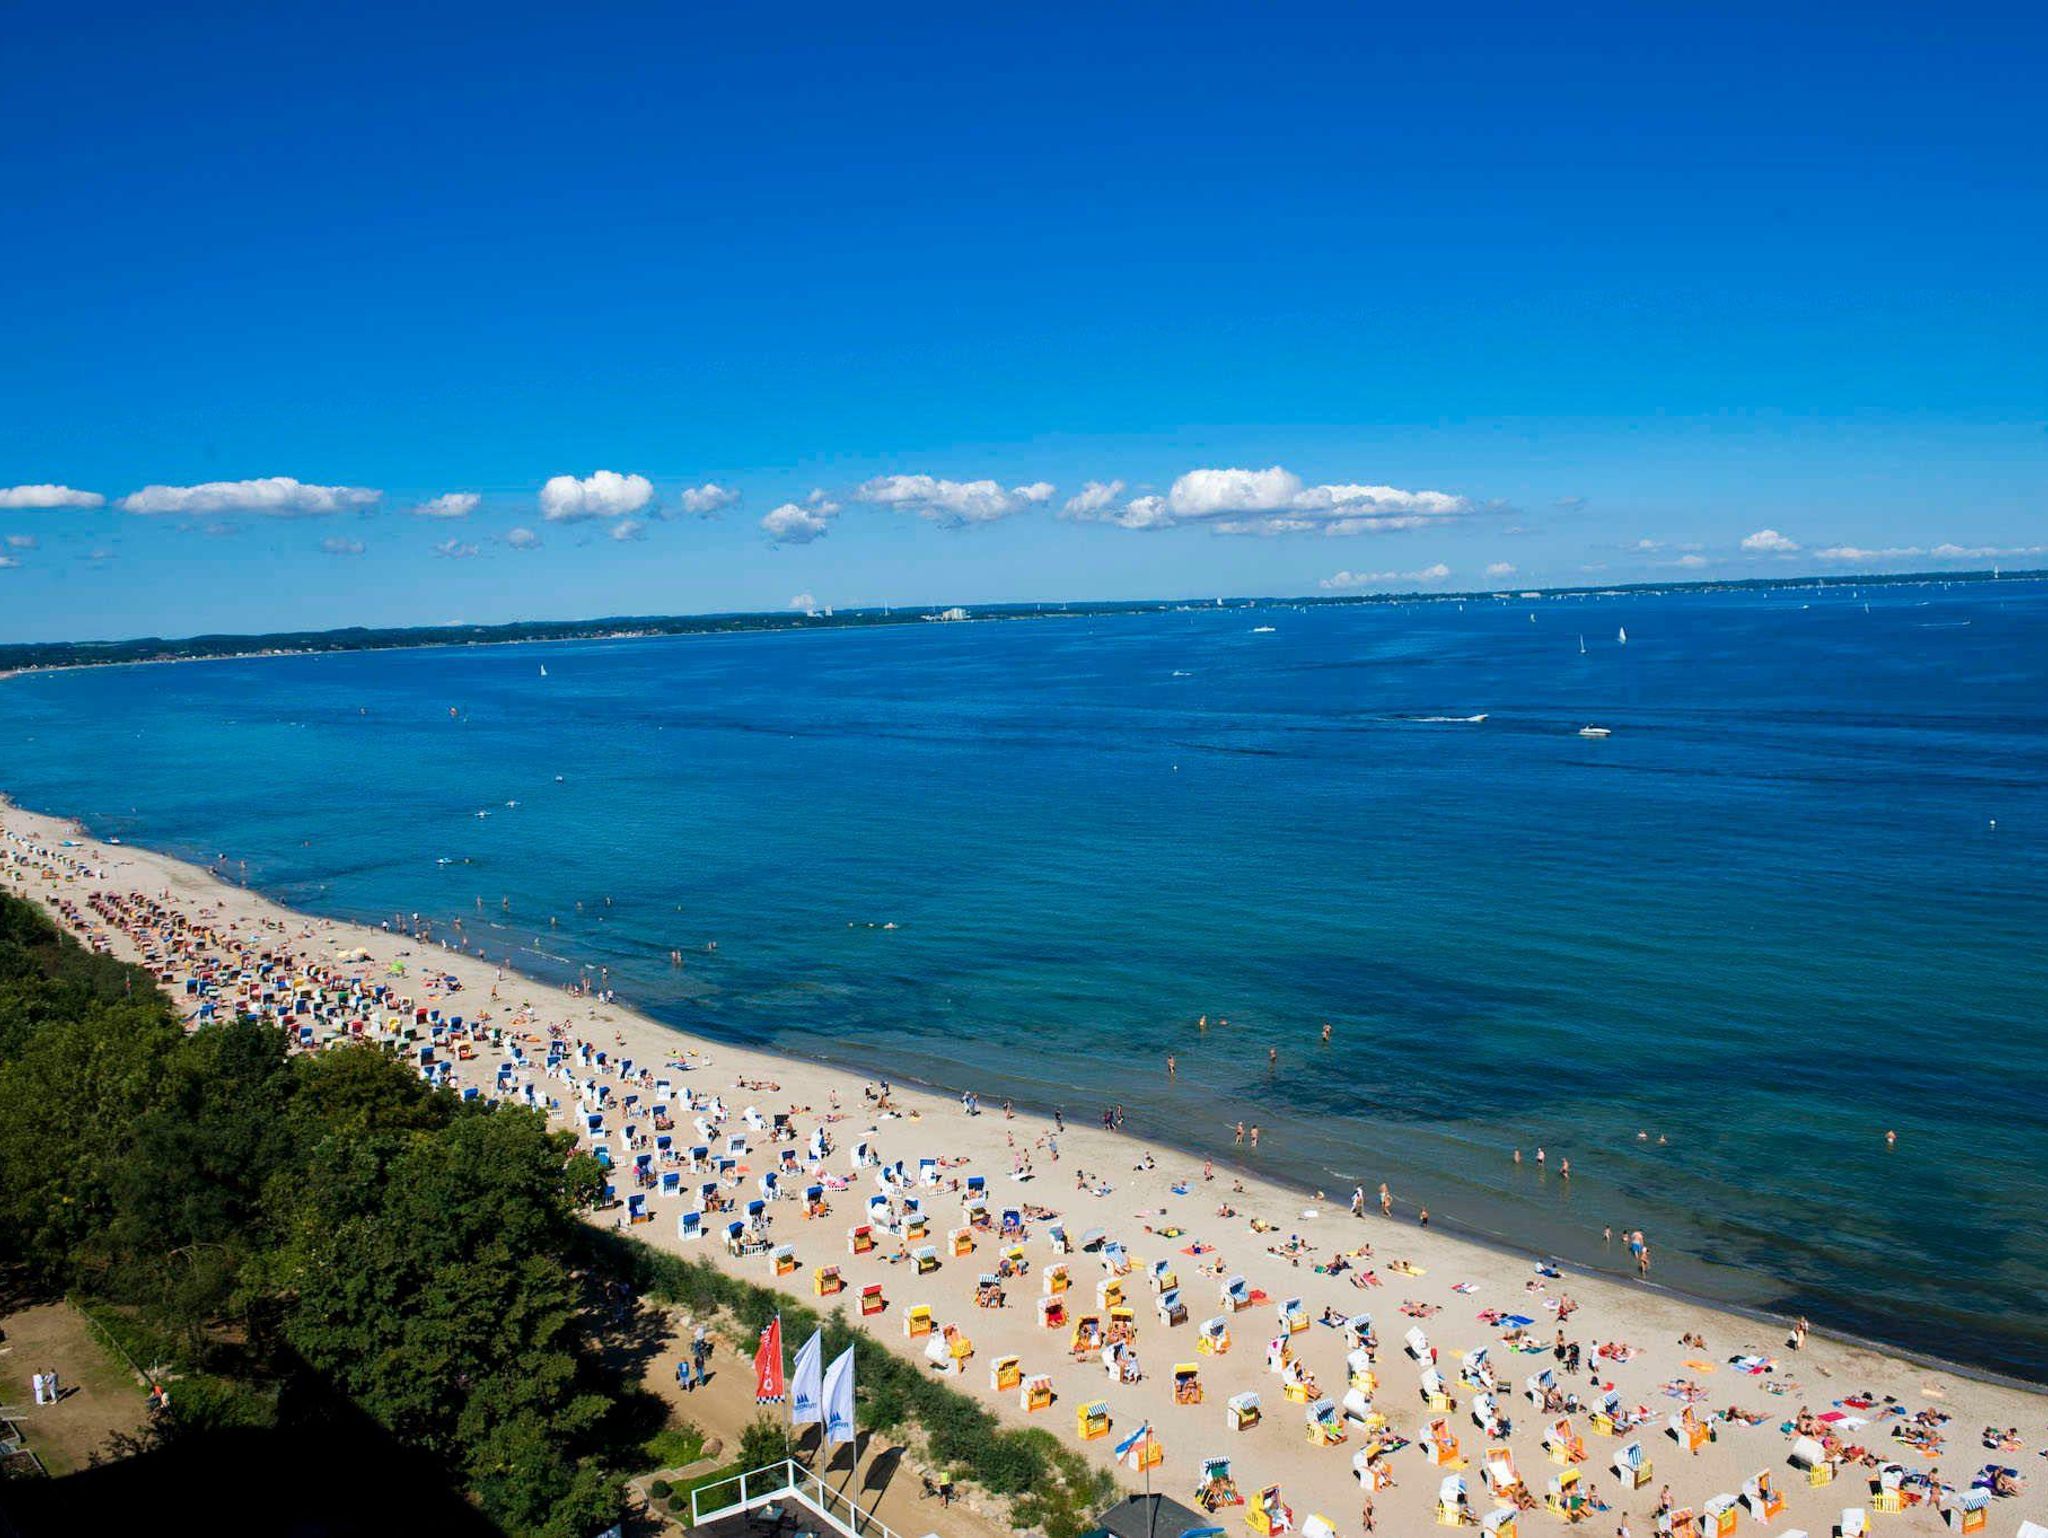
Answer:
(543, 670)
(1622, 636)
(1582, 646)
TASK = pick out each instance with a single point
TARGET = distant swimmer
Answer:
(1891, 1138)
(1169, 1065)
(1326, 1033)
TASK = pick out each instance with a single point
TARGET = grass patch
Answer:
(672, 1447)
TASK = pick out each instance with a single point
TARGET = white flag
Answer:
(839, 1398)
(805, 1391)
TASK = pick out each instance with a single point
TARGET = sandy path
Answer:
(1315, 1479)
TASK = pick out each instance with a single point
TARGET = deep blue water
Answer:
(1768, 918)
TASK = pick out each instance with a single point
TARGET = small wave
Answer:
(1446, 720)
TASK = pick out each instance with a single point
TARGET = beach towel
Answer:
(1465, 1287)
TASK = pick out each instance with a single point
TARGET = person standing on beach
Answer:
(1358, 1202)
(1386, 1201)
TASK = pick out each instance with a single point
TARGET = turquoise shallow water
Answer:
(1767, 919)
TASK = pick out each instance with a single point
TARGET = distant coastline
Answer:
(41, 656)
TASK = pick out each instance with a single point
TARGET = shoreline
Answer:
(1503, 1245)
(1166, 1193)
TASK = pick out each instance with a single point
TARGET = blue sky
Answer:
(1585, 293)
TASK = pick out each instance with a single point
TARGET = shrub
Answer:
(659, 1491)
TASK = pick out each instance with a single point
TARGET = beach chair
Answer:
(1170, 1308)
(1435, 1392)
(1452, 1507)
(1562, 1497)
(1498, 1473)
(1161, 1276)
(1632, 1467)
(1109, 1292)
(1499, 1523)
(1216, 1487)
(988, 1291)
(1237, 1294)
(1268, 1513)
(1052, 1313)
(1563, 1443)
(871, 1299)
(1056, 1236)
(1054, 1276)
(958, 1345)
(1719, 1516)
(1970, 1512)
(1187, 1383)
(826, 1280)
(1087, 1338)
(1241, 1411)
(1293, 1316)
(1855, 1523)
(1487, 1416)
(1316, 1526)
(689, 1225)
(860, 1240)
(1325, 1425)
(925, 1258)
(1116, 1260)
(1035, 1393)
(1474, 1371)
(1279, 1353)
(962, 1241)
(1213, 1338)
(1418, 1346)
(1537, 1387)
(1358, 1409)
(1358, 1371)
(1689, 1431)
(1091, 1420)
(1759, 1495)
(917, 1320)
(815, 1205)
(1441, 1447)
(937, 1356)
(1358, 1334)
(1122, 1326)
(783, 1259)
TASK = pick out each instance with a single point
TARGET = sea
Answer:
(1797, 899)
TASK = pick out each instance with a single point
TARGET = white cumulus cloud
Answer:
(1277, 501)
(1692, 561)
(24, 498)
(1093, 500)
(339, 546)
(1354, 579)
(1769, 542)
(21, 542)
(953, 504)
(8, 563)
(629, 528)
(450, 504)
(1501, 569)
(804, 603)
(272, 496)
(523, 539)
(798, 523)
(606, 494)
(707, 499)
(455, 550)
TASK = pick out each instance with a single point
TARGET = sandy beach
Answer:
(1661, 1358)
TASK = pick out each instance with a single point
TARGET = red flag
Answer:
(768, 1384)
